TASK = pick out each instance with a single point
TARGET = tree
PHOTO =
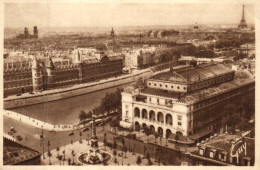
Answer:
(49, 155)
(82, 115)
(155, 137)
(80, 134)
(115, 153)
(114, 144)
(149, 163)
(58, 149)
(49, 144)
(138, 128)
(63, 156)
(105, 143)
(148, 156)
(134, 149)
(125, 150)
(69, 161)
(147, 132)
(73, 154)
(60, 158)
(115, 161)
(88, 139)
(144, 150)
(123, 141)
(138, 160)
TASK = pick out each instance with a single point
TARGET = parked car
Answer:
(71, 133)
(85, 129)
(12, 130)
(19, 138)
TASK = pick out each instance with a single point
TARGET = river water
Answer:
(65, 111)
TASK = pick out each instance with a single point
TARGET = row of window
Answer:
(166, 86)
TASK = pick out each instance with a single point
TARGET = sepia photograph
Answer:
(128, 83)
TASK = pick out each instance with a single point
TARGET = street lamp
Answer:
(42, 141)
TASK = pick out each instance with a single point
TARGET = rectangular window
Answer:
(211, 154)
(126, 106)
(201, 151)
(179, 117)
(126, 113)
(179, 123)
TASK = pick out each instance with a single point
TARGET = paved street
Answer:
(31, 137)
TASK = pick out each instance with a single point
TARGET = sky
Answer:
(123, 14)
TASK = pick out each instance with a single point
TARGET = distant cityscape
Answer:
(151, 95)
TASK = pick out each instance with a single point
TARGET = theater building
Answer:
(184, 100)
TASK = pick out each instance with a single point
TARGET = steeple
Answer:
(112, 34)
(243, 21)
(77, 56)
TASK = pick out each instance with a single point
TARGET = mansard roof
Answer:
(192, 74)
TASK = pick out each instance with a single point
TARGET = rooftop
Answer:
(227, 143)
(193, 74)
(241, 78)
(14, 153)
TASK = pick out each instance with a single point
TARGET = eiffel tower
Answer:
(243, 21)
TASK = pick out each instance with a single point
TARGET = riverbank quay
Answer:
(38, 123)
(76, 90)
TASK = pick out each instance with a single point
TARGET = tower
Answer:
(196, 27)
(243, 21)
(36, 76)
(35, 31)
(49, 69)
(112, 34)
(25, 31)
(79, 64)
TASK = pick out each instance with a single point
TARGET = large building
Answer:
(27, 35)
(224, 150)
(186, 100)
(17, 154)
(41, 74)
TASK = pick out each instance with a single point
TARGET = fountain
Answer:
(94, 155)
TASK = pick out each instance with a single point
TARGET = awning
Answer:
(125, 124)
(200, 134)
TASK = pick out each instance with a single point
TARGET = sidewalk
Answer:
(80, 148)
(38, 123)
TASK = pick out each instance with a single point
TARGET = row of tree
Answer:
(111, 102)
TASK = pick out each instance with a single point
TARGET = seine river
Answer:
(65, 111)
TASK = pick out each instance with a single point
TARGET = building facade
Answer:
(186, 101)
(38, 75)
(224, 150)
